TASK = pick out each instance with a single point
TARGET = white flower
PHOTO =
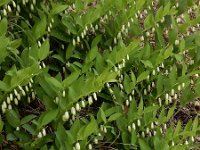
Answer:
(115, 41)
(65, 117)
(39, 135)
(63, 93)
(147, 130)
(133, 126)
(9, 8)
(4, 12)
(14, 4)
(154, 72)
(77, 146)
(73, 111)
(44, 132)
(8, 100)
(129, 128)
(32, 7)
(78, 39)
(133, 92)
(143, 135)
(17, 128)
(127, 102)
(33, 95)
(152, 125)
(78, 108)
(16, 101)
(4, 105)
(26, 88)
(176, 42)
(95, 140)
(83, 103)
(90, 101)
(130, 98)
(142, 38)
(10, 107)
(74, 42)
(183, 85)
(90, 146)
(179, 88)
(172, 92)
(39, 44)
(145, 92)
(138, 123)
(104, 130)
(95, 96)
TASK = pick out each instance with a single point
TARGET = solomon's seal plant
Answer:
(99, 74)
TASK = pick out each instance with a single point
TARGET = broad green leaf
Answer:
(47, 117)
(142, 76)
(144, 145)
(57, 8)
(43, 52)
(13, 118)
(3, 26)
(114, 117)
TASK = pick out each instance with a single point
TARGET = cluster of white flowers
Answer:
(15, 96)
(42, 133)
(78, 106)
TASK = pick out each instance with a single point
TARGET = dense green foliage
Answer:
(99, 74)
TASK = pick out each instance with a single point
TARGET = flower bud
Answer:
(8, 100)
(127, 102)
(78, 108)
(145, 92)
(17, 128)
(95, 140)
(176, 42)
(39, 135)
(44, 132)
(90, 146)
(63, 93)
(152, 125)
(183, 85)
(138, 123)
(74, 42)
(65, 117)
(16, 101)
(90, 100)
(129, 128)
(9, 106)
(73, 111)
(143, 135)
(77, 146)
(95, 96)
(172, 92)
(133, 126)
(104, 130)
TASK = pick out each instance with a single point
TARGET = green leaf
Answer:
(103, 116)
(144, 145)
(87, 130)
(142, 76)
(114, 117)
(3, 48)
(43, 52)
(57, 8)
(12, 118)
(3, 26)
(47, 117)
(1, 125)
(27, 118)
(69, 23)
(54, 83)
(39, 29)
(3, 2)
